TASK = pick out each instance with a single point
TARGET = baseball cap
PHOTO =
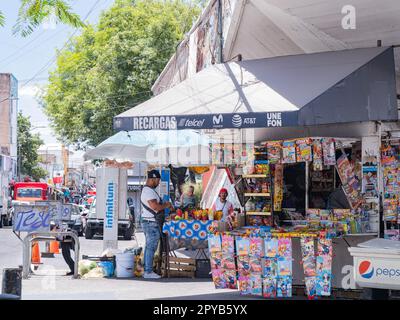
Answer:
(153, 174)
(223, 190)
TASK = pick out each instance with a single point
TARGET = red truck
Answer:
(30, 191)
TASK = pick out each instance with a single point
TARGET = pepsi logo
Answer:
(366, 269)
(237, 121)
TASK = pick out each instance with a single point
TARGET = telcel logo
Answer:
(365, 269)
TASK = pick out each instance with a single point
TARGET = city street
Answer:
(43, 285)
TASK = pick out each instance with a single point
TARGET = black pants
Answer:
(65, 248)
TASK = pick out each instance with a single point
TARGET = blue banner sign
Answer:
(208, 121)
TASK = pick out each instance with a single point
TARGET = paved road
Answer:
(49, 281)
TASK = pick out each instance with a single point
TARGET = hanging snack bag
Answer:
(318, 162)
(256, 285)
(214, 243)
(230, 279)
(271, 247)
(328, 150)
(274, 152)
(304, 150)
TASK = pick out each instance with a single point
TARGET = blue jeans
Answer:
(152, 235)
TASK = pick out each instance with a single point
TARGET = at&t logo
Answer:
(366, 269)
(237, 121)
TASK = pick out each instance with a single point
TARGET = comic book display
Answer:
(324, 267)
(309, 265)
(351, 185)
(289, 151)
(274, 149)
(391, 190)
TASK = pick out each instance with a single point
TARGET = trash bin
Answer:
(377, 264)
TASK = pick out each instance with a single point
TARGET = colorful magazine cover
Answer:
(230, 279)
(313, 214)
(311, 286)
(255, 249)
(308, 255)
(214, 243)
(284, 267)
(218, 279)
(323, 283)
(270, 267)
(242, 246)
(284, 287)
(255, 265)
(269, 287)
(271, 247)
(324, 246)
(243, 263)
(323, 263)
(325, 214)
(256, 285)
(303, 149)
(216, 260)
(274, 151)
(228, 245)
(228, 262)
(318, 163)
(328, 151)
(285, 247)
(289, 151)
(244, 285)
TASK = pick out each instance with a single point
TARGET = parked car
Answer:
(77, 222)
(95, 223)
(6, 215)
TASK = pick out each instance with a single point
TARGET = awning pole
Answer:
(307, 179)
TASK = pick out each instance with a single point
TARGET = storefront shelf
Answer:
(257, 194)
(254, 175)
(256, 213)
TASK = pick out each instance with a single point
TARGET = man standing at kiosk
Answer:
(152, 220)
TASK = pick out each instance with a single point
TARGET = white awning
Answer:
(283, 85)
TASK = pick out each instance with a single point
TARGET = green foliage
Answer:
(28, 144)
(38, 173)
(33, 13)
(111, 67)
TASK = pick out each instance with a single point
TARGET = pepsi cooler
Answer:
(377, 264)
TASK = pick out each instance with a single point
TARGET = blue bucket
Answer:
(108, 268)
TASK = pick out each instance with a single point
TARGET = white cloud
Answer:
(31, 90)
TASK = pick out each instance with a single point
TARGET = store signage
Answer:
(208, 121)
(378, 272)
(31, 218)
(110, 206)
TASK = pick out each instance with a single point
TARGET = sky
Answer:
(31, 58)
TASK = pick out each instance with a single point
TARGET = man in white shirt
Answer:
(152, 214)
